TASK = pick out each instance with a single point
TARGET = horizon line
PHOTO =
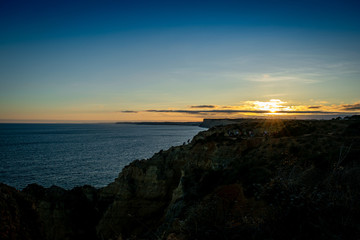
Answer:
(285, 117)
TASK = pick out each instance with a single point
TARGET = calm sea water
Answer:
(69, 155)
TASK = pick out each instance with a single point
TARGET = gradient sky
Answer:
(110, 60)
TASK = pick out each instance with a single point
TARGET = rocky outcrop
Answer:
(65, 214)
(256, 179)
(18, 216)
(209, 123)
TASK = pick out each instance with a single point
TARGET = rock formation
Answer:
(256, 179)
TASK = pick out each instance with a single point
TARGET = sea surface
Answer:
(69, 155)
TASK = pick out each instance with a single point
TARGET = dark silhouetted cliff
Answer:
(256, 179)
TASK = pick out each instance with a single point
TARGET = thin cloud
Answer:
(179, 111)
(203, 106)
(351, 107)
(274, 106)
(279, 77)
(207, 111)
(269, 78)
(235, 111)
(314, 107)
(129, 111)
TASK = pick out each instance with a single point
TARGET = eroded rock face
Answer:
(253, 180)
(143, 191)
(152, 194)
(18, 217)
(65, 214)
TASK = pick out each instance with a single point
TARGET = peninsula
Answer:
(163, 123)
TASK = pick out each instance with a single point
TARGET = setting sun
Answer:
(274, 105)
(131, 67)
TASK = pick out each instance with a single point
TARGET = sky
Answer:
(106, 61)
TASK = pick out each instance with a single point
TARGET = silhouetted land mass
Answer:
(256, 179)
(163, 123)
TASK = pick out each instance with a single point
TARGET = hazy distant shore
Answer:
(163, 123)
(209, 123)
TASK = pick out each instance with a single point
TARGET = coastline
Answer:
(254, 179)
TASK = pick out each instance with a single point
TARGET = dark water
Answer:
(69, 155)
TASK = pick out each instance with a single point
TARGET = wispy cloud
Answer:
(351, 107)
(129, 111)
(203, 106)
(274, 106)
(237, 111)
(207, 111)
(279, 77)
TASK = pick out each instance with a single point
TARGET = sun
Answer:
(273, 106)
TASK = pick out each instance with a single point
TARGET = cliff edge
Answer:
(255, 179)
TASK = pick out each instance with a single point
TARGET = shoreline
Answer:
(253, 178)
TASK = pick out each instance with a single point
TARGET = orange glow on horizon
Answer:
(191, 113)
(274, 106)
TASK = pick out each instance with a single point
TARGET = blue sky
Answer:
(92, 60)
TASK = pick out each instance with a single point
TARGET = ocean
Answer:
(69, 155)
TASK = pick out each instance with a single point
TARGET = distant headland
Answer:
(163, 123)
(209, 123)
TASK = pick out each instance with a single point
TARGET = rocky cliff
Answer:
(256, 179)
